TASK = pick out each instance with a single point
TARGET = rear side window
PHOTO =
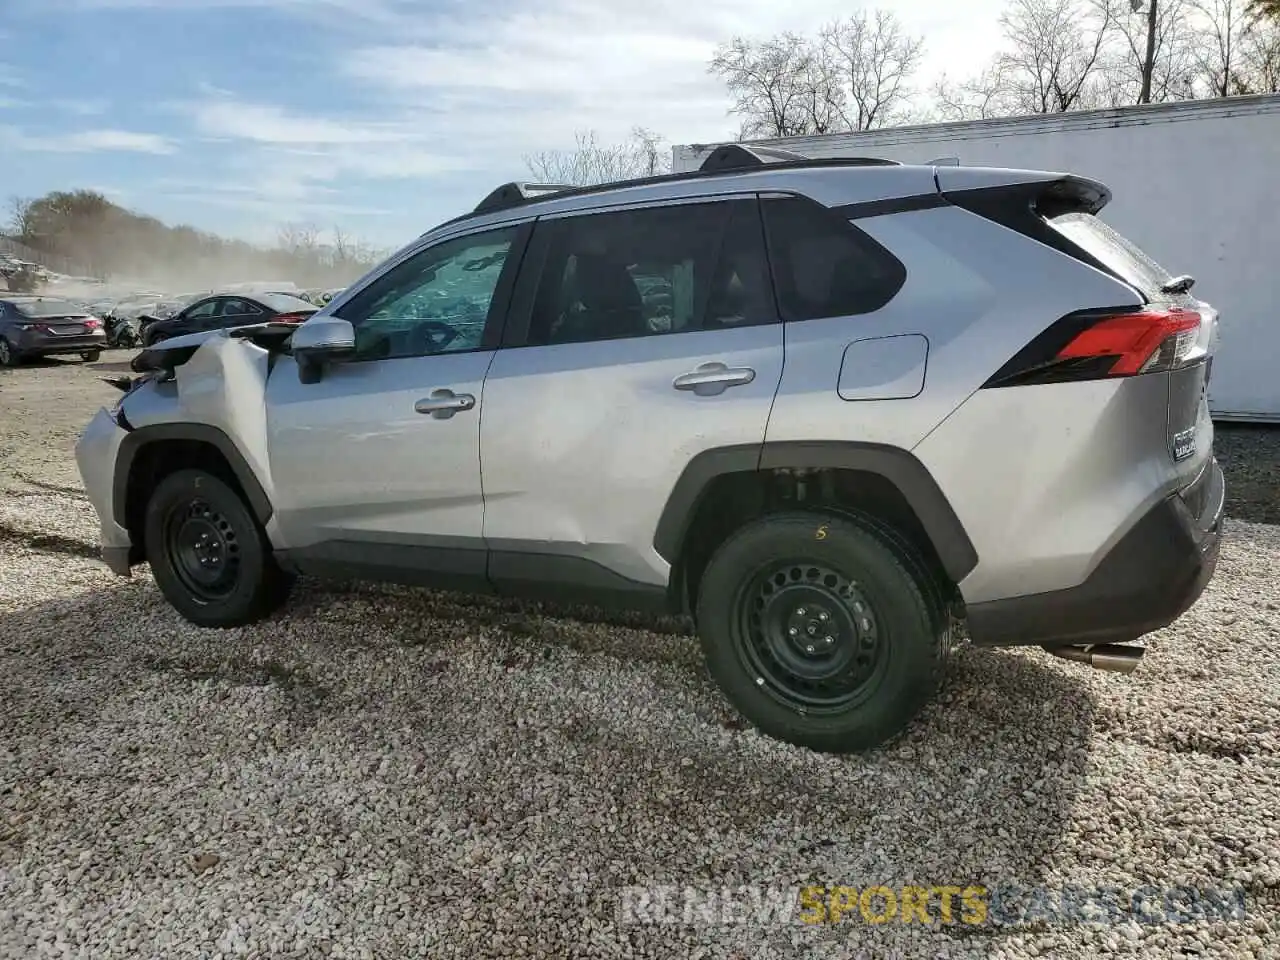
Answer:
(824, 266)
(656, 270)
(1104, 244)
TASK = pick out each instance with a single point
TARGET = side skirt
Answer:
(532, 575)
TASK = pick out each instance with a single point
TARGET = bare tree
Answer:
(873, 60)
(1220, 55)
(979, 97)
(1056, 53)
(21, 216)
(1263, 10)
(1153, 55)
(1260, 56)
(303, 238)
(592, 161)
(781, 87)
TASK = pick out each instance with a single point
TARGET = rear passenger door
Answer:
(639, 338)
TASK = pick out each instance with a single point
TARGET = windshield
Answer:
(49, 308)
(1108, 247)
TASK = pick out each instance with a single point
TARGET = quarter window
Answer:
(657, 270)
(437, 301)
(823, 265)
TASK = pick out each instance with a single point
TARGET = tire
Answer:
(773, 590)
(243, 587)
(8, 356)
(91, 356)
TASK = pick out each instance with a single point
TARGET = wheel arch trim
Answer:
(899, 467)
(142, 437)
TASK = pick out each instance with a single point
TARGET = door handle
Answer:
(444, 403)
(713, 378)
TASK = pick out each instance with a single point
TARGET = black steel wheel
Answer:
(822, 630)
(202, 548)
(810, 633)
(210, 556)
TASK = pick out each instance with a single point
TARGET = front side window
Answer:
(202, 310)
(435, 302)
(637, 273)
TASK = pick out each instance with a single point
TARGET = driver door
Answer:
(376, 467)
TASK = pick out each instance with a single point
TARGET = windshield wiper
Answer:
(1182, 284)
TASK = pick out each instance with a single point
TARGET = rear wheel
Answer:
(210, 557)
(91, 356)
(823, 631)
(8, 356)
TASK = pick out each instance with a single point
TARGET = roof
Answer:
(729, 159)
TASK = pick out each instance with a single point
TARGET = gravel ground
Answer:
(393, 773)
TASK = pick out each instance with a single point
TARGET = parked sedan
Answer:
(47, 326)
(229, 310)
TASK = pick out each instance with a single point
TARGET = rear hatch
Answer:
(1170, 333)
(1186, 352)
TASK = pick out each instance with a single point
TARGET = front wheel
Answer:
(822, 630)
(210, 557)
(8, 356)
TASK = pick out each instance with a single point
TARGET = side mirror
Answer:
(321, 341)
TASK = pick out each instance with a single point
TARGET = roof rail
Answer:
(737, 156)
(515, 193)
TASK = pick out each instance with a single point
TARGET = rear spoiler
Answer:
(1025, 200)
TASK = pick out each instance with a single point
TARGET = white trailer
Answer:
(1194, 184)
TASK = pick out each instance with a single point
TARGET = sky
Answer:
(382, 117)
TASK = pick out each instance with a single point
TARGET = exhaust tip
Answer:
(1112, 657)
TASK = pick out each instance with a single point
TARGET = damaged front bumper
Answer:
(96, 453)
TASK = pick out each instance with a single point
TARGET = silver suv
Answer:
(831, 409)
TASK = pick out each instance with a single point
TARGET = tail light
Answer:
(290, 317)
(1095, 345)
(92, 324)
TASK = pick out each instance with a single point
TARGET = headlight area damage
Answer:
(164, 357)
(159, 362)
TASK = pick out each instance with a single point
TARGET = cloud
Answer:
(10, 76)
(86, 141)
(524, 78)
(266, 123)
(81, 108)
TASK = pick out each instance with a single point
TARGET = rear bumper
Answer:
(1148, 579)
(46, 346)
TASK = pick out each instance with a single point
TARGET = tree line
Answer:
(862, 72)
(104, 240)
